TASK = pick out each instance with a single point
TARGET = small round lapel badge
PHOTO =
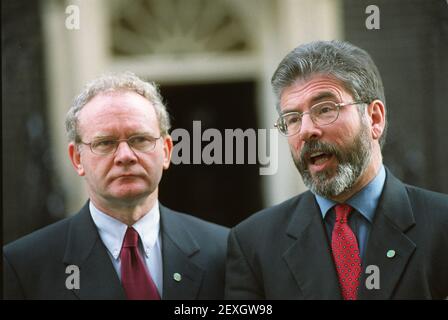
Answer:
(177, 277)
(390, 254)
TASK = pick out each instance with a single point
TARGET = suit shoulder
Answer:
(428, 195)
(40, 242)
(275, 214)
(430, 202)
(197, 225)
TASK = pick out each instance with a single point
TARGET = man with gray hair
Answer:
(123, 244)
(359, 232)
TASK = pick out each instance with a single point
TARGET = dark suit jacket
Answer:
(35, 265)
(283, 252)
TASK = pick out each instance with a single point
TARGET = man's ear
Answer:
(167, 151)
(377, 116)
(75, 157)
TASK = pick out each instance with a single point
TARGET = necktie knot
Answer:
(130, 238)
(342, 211)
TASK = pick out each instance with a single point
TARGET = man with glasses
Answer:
(123, 244)
(359, 232)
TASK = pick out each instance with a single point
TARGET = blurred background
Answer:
(213, 60)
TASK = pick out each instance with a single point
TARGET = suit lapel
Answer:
(392, 219)
(178, 246)
(309, 257)
(98, 278)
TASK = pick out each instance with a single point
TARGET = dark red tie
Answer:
(136, 281)
(346, 253)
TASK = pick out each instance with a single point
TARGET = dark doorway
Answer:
(221, 193)
(32, 196)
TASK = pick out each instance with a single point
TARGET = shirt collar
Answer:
(112, 231)
(365, 201)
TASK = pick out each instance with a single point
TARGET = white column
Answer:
(302, 21)
(285, 25)
(72, 57)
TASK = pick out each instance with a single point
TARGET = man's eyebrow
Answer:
(321, 96)
(113, 136)
(143, 133)
(102, 136)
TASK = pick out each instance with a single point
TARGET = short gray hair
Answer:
(126, 81)
(351, 65)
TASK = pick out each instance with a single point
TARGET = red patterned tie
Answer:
(346, 253)
(136, 281)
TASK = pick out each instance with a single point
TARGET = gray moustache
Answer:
(317, 146)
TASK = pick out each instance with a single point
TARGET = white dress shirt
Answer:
(112, 233)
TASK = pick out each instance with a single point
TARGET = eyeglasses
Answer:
(107, 146)
(322, 114)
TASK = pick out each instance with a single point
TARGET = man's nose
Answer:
(124, 154)
(308, 130)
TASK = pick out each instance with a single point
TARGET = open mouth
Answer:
(319, 158)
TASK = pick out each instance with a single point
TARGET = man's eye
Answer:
(138, 140)
(292, 120)
(324, 109)
(104, 143)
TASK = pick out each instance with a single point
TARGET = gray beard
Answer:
(352, 162)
